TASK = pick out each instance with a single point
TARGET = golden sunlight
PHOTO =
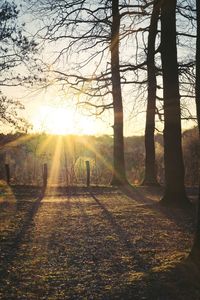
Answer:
(59, 120)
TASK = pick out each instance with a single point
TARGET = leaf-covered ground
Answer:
(97, 244)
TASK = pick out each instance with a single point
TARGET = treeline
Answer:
(66, 156)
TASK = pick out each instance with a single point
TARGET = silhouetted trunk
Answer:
(119, 174)
(195, 252)
(174, 193)
(150, 177)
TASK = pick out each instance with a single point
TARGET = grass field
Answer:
(94, 244)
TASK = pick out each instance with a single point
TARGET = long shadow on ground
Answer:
(123, 236)
(26, 201)
(150, 198)
(94, 245)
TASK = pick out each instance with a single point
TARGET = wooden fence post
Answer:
(45, 175)
(7, 168)
(88, 172)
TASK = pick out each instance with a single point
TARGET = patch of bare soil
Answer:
(97, 244)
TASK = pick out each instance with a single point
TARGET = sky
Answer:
(56, 112)
(48, 112)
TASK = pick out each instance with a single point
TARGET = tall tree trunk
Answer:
(195, 252)
(150, 177)
(174, 193)
(119, 173)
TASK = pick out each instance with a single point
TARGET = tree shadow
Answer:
(170, 280)
(27, 201)
(177, 282)
(139, 262)
(150, 198)
(85, 247)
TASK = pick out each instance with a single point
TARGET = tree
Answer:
(119, 172)
(9, 114)
(174, 193)
(185, 68)
(150, 162)
(15, 49)
(195, 252)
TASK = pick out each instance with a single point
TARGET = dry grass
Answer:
(100, 244)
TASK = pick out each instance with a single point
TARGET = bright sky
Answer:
(49, 111)
(53, 115)
(58, 120)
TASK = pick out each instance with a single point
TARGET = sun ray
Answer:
(108, 165)
(44, 145)
(55, 165)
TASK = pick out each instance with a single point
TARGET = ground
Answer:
(100, 243)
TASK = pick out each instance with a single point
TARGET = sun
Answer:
(62, 121)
